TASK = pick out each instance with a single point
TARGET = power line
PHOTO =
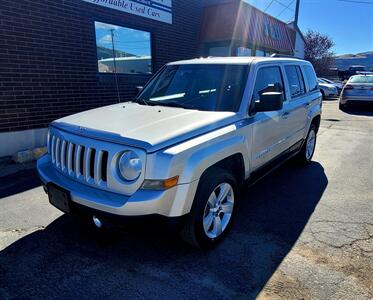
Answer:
(286, 8)
(284, 5)
(270, 3)
(356, 1)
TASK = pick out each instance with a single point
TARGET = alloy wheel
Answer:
(218, 210)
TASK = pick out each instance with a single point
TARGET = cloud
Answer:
(106, 39)
(100, 25)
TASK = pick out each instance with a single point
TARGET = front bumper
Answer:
(174, 202)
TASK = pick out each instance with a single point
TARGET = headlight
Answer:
(130, 166)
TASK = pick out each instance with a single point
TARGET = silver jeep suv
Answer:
(183, 149)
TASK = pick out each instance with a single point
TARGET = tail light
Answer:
(348, 87)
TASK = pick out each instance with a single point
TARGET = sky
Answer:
(125, 39)
(347, 22)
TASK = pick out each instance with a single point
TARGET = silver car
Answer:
(358, 89)
(338, 85)
(327, 90)
(184, 149)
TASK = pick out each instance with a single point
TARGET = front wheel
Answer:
(213, 209)
(308, 149)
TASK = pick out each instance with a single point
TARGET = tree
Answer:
(319, 51)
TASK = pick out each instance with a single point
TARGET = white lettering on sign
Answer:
(160, 10)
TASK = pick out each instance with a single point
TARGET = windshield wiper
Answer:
(175, 104)
(141, 101)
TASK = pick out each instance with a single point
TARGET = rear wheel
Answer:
(308, 148)
(213, 209)
(342, 107)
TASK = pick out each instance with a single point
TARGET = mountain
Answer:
(103, 53)
(346, 60)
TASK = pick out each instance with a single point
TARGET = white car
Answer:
(184, 149)
(327, 90)
(358, 89)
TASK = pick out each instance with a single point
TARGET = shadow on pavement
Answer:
(19, 182)
(66, 261)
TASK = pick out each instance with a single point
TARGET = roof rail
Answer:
(281, 55)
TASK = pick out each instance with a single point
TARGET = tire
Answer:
(212, 182)
(342, 107)
(306, 153)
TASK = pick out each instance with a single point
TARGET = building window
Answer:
(260, 53)
(123, 50)
(243, 51)
(220, 51)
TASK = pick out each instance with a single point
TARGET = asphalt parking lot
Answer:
(302, 233)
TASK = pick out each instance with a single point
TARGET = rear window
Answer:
(295, 79)
(311, 78)
(361, 79)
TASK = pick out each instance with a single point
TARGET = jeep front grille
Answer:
(79, 161)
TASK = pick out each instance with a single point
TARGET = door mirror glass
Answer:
(269, 101)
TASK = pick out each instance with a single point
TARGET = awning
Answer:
(239, 22)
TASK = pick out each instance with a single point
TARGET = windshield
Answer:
(206, 87)
(361, 79)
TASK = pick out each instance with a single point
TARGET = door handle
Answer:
(285, 115)
(307, 104)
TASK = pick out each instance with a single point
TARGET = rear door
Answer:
(297, 108)
(268, 135)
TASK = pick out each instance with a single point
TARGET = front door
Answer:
(269, 129)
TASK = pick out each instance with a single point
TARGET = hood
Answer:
(147, 127)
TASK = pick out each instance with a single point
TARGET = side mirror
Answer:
(269, 101)
(139, 89)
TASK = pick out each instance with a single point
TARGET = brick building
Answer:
(58, 57)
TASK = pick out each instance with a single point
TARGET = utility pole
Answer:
(296, 12)
(115, 64)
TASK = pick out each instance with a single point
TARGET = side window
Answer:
(268, 79)
(311, 78)
(296, 82)
(301, 79)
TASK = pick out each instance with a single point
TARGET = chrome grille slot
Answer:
(57, 153)
(53, 148)
(92, 163)
(105, 156)
(78, 158)
(63, 155)
(73, 150)
(70, 159)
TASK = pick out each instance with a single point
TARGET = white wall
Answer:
(12, 142)
(299, 46)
